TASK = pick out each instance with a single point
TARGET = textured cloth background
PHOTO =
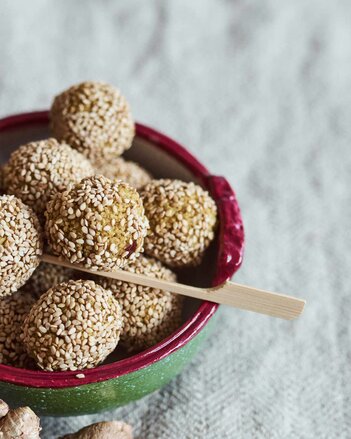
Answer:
(260, 91)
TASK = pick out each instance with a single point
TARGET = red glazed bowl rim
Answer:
(229, 258)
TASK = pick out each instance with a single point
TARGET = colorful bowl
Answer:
(128, 379)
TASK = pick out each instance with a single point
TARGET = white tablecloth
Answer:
(260, 91)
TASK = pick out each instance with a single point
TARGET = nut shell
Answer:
(182, 219)
(98, 223)
(13, 311)
(20, 423)
(149, 314)
(103, 430)
(20, 244)
(4, 408)
(75, 325)
(95, 119)
(38, 170)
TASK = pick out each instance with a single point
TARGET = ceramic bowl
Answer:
(122, 380)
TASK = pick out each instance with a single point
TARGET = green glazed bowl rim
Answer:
(228, 261)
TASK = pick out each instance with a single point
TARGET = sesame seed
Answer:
(45, 277)
(21, 244)
(183, 219)
(13, 311)
(66, 348)
(120, 169)
(108, 234)
(139, 303)
(94, 118)
(38, 170)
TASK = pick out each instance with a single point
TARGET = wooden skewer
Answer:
(229, 293)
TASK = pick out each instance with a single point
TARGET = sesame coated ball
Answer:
(45, 277)
(98, 223)
(128, 171)
(94, 118)
(38, 170)
(20, 244)
(75, 325)
(13, 311)
(182, 219)
(149, 314)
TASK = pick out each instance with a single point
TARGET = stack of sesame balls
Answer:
(75, 196)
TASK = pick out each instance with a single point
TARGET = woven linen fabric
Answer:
(260, 92)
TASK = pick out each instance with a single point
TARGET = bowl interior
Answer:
(143, 151)
(160, 164)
